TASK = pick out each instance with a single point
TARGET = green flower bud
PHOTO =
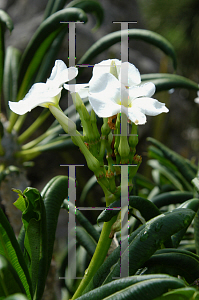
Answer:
(133, 138)
(113, 69)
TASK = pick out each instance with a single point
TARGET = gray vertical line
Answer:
(71, 58)
(124, 76)
(124, 42)
(124, 265)
(124, 270)
(71, 221)
(124, 73)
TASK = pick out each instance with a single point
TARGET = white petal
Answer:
(84, 92)
(196, 100)
(104, 67)
(61, 74)
(136, 116)
(24, 106)
(104, 108)
(80, 88)
(42, 90)
(144, 90)
(149, 106)
(133, 77)
(104, 83)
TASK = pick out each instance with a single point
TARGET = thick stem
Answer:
(98, 257)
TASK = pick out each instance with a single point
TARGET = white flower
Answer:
(196, 100)
(43, 94)
(116, 87)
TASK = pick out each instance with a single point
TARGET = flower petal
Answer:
(41, 90)
(133, 77)
(105, 95)
(105, 82)
(149, 106)
(196, 100)
(104, 67)
(136, 116)
(26, 105)
(80, 88)
(61, 74)
(144, 90)
(103, 107)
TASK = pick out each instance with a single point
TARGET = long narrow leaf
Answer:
(53, 195)
(155, 232)
(90, 6)
(147, 289)
(184, 166)
(117, 285)
(10, 282)
(140, 34)
(84, 222)
(5, 21)
(48, 29)
(9, 248)
(31, 204)
(11, 68)
(168, 81)
(174, 264)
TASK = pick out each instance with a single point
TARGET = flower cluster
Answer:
(114, 87)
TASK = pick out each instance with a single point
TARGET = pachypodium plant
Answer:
(157, 268)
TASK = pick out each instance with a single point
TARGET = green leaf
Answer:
(118, 285)
(191, 204)
(35, 242)
(90, 6)
(11, 68)
(168, 81)
(146, 208)
(10, 249)
(195, 182)
(84, 222)
(41, 41)
(10, 282)
(147, 289)
(166, 173)
(85, 240)
(174, 264)
(143, 182)
(140, 34)
(50, 57)
(187, 293)
(53, 195)
(153, 235)
(88, 186)
(112, 259)
(5, 21)
(184, 166)
(172, 197)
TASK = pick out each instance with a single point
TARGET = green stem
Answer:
(25, 135)
(98, 257)
(19, 122)
(12, 120)
(41, 137)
